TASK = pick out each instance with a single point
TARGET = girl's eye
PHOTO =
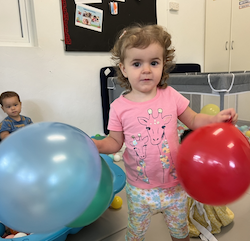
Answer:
(154, 63)
(136, 64)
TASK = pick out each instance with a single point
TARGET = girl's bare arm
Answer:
(195, 120)
(111, 144)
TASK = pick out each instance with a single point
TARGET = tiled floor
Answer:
(239, 230)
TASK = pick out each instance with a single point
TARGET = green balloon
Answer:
(100, 202)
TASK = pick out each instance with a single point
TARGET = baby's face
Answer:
(12, 107)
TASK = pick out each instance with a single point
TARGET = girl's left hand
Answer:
(228, 115)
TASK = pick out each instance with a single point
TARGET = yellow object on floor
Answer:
(116, 203)
(206, 220)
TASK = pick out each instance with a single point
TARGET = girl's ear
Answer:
(122, 68)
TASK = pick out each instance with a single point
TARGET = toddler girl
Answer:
(145, 118)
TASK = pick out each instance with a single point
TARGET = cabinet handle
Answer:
(232, 45)
(226, 45)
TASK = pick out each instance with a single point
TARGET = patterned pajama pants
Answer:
(143, 203)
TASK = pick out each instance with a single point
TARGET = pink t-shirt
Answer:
(151, 138)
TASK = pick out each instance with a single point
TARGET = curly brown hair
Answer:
(141, 36)
(8, 94)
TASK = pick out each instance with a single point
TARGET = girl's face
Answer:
(143, 68)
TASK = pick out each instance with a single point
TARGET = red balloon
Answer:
(213, 164)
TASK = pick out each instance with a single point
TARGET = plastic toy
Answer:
(210, 109)
(119, 180)
(247, 133)
(10, 236)
(117, 202)
(19, 235)
(99, 137)
(117, 157)
(13, 231)
(243, 128)
(111, 156)
(2, 229)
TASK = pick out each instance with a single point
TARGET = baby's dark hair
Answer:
(185, 134)
(8, 94)
(141, 36)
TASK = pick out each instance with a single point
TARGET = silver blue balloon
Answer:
(49, 174)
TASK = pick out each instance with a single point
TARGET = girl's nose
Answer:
(146, 68)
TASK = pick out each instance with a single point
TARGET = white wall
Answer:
(55, 85)
(187, 27)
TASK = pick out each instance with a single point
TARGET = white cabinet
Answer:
(227, 46)
(240, 37)
(227, 36)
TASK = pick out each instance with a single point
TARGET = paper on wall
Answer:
(88, 1)
(89, 17)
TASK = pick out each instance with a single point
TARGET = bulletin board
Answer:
(79, 38)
